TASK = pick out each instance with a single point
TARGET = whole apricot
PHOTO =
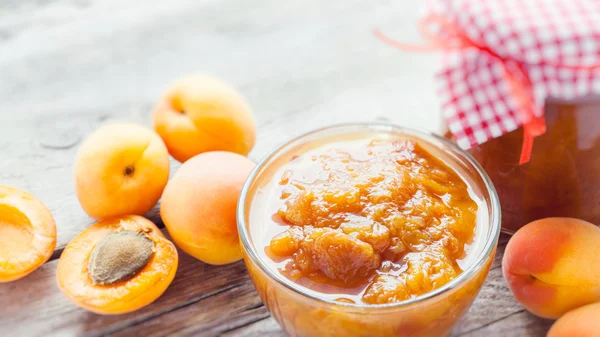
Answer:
(198, 206)
(201, 113)
(117, 265)
(581, 322)
(549, 265)
(27, 234)
(121, 169)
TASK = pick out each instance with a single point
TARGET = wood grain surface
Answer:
(69, 66)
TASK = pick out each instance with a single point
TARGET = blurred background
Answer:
(68, 66)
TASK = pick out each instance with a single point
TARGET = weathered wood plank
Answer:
(267, 327)
(518, 324)
(184, 308)
(203, 300)
(226, 310)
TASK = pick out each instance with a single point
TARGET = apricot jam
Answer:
(370, 221)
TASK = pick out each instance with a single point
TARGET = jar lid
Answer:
(503, 59)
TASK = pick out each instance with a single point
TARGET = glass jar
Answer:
(562, 179)
(302, 313)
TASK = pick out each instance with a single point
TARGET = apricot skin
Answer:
(548, 265)
(581, 322)
(27, 234)
(122, 297)
(121, 169)
(198, 206)
(201, 113)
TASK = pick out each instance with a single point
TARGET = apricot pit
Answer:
(119, 256)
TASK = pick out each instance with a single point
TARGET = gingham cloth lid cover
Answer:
(503, 58)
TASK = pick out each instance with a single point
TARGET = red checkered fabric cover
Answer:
(503, 58)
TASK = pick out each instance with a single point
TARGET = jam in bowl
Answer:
(368, 230)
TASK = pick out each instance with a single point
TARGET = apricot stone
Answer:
(548, 265)
(119, 256)
(198, 206)
(121, 169)
(201, 113)
(581, 322)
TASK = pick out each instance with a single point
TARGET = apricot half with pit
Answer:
(201, 113)
(27, 233)
(121, 169)
(117, 265)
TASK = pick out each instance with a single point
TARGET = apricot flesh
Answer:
(201, 113)
(198, 206)
(27, 233)
(121, 296)
(121, 169)
(581, 322)
(549, 265)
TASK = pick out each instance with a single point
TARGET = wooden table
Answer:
(68, 66)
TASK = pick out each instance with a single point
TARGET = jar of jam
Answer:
(562, 178)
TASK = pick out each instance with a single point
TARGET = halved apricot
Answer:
(27, 233)
(117, 265)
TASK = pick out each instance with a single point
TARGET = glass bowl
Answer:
(302, 313)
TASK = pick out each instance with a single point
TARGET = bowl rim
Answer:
(466, 275)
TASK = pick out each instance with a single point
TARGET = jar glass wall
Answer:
(562, 179)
